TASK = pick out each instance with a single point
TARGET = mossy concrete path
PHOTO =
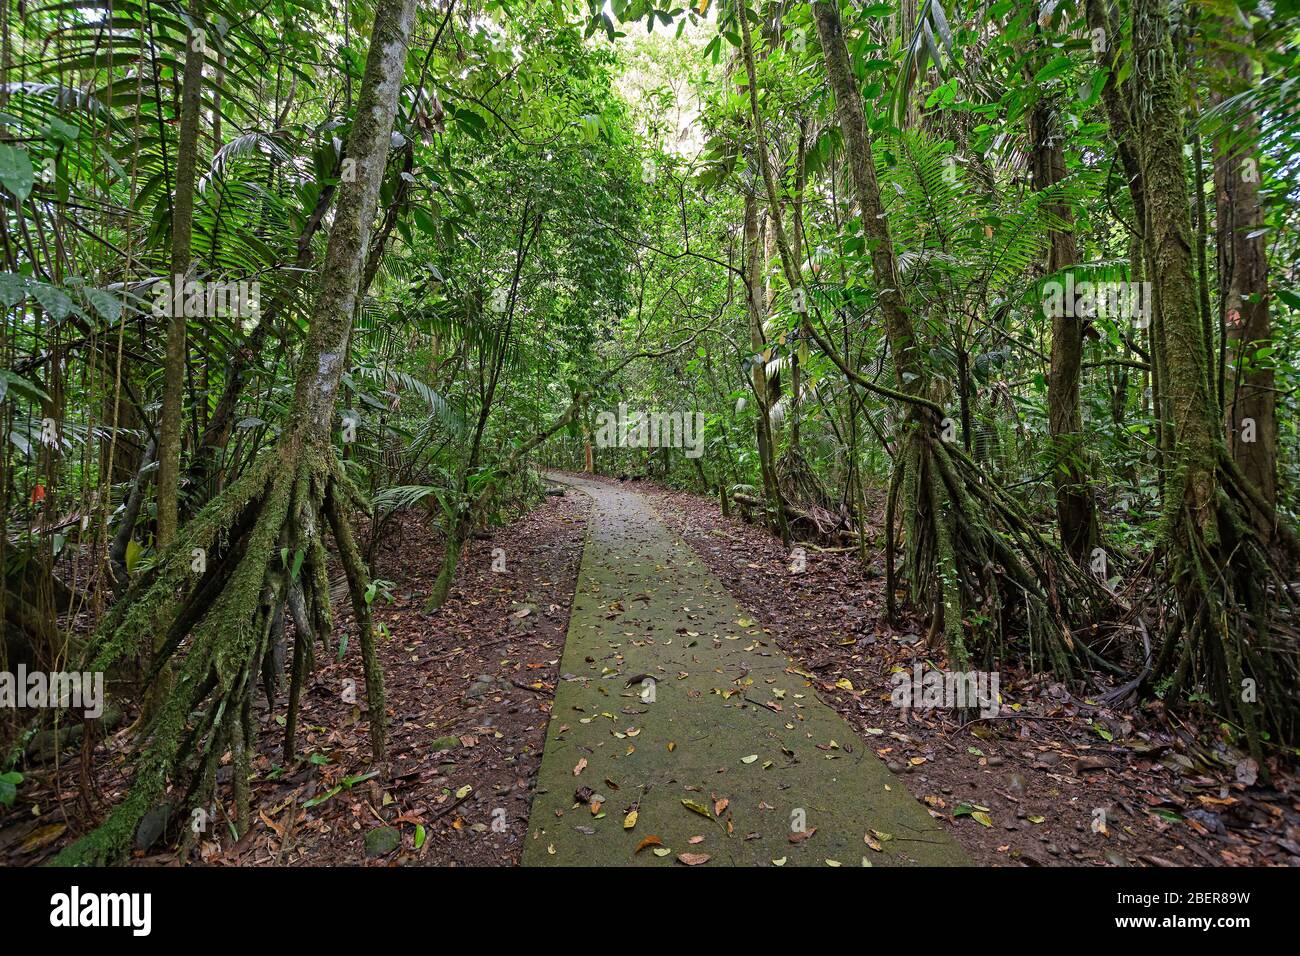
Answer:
(673, 704)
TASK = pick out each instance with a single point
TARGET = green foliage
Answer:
(561, 231)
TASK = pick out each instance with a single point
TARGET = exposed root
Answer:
(262, 546)
(976, 562)
(1228, 635)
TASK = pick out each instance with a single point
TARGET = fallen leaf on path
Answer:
(698, 808)
(651, 840)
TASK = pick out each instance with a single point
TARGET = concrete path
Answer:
(672, 700)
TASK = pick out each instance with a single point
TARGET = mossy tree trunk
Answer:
(756, 300)
(965, 537)
(277, 509)
(919, 423)
(1221, 640)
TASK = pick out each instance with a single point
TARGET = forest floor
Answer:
(1052, 780)
(469, 693)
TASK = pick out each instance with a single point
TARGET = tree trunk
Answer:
(1075, 511)
(1221, 638)
(1168, 229)
(207, 464)
(1249, 398)
(919, 422)
(755, 256)
(280, 506)
(169, 430)
(955, 554)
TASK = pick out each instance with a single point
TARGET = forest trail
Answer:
(800, 786)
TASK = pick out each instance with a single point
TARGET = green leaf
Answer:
(425, 222)
(133, 552)
(973, 810)
(1289, 297)
(16, 173)
(358, 778)
(13, 289)
(56, 303)
(697, 808)
(317, 801)
(21, 387)
(1057, 67)
(9, 787)
(106, 304)
(61, 132)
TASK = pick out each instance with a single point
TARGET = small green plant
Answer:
(379, 588)
(347, 783)
(9, 787)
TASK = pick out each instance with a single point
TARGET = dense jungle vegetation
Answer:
(998, 295)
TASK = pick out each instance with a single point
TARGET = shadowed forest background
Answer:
(977, 323)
